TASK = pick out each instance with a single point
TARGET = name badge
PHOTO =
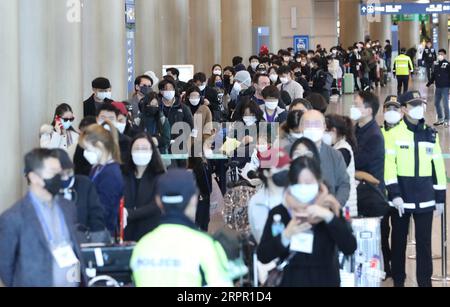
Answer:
(303, 243)
(194, 133)
(65, 256)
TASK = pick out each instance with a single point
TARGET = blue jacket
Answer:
(109, 183)
(26, 260)
(369, 157)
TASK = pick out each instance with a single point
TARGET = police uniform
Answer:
(414, 171)
(177, 254)
(403, 66)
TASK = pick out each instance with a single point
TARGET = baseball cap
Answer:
(413, 98)
(392, 100)
(176, 188)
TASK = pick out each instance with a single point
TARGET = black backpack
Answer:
(371, 201)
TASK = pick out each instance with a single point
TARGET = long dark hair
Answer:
(146, 101)
(156, 165)
(247, 103)
(59, 111)
(298, 165)
(344, 128)
(308, 144)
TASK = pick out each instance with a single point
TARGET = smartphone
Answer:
(59, 123)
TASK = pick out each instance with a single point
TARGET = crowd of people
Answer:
(270, 118)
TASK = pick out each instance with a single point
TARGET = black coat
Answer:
(82, 166)
(320, 269)
(89, 108)
(89, 209)
(143, 213)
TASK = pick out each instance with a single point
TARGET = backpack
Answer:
(327, 79)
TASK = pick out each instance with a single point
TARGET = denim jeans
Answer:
(441, 96)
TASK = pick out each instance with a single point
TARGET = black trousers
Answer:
(402, 82)
(202, 215)
(385, 246)
(429, 69)
(424, 263)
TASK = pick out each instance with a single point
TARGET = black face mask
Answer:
(53, 185)
(151, 111)
(281, 179)
(145, 90)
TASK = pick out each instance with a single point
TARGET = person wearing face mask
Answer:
(388, 55)
(143, 85)
(272, 112)
(403, 68)
(102, 94)
(101, 150)
(228, 79)
(392, 114)
(292, 87)
(340, 135)
(174, 110)
(312, 230)
(175, 74)
(355, 65)
(273, 75)
(416, 184)
(216, 70)
(61, 133)
(321, 80)
(209, 94)
(124, 125)
(441, 77)
(369, 156)
(242, 87)
(81, 191)
(202, 116)
(140, 176)
(39, 246)
(111, 113)
(154, 123)
(254, 62)
(429, 58)
(333, 166)
(291, 130)
(274, 177)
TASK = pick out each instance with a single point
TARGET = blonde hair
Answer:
(98, 134)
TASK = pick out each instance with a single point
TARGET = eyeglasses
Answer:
(72, 119)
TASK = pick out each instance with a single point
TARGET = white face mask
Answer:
(355, 114)
(334, 52)
(249, 120)
(92, 157)
(67, 125)
(217, 72)
(194, 102)
(168, 95)
(296, 135)
(237, 87)
(104, 95)
(392, 117)
(304, 193)
(202, 87)
(271, 104)
(254, 65)
(284, 80)
(142, 158)
(262, 148)
(328, 138)
(440, 58)
(121, 127)
(314, 134)
(417, 113)
(273, 78)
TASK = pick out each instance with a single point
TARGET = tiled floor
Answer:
(342, 106)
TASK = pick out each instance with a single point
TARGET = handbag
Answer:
(371, 201)
(85, 236)
(276, 275)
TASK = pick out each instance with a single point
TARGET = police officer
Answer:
(441, 76)
(429, 57)
(416, 183)
(403, 67)
(176, 254)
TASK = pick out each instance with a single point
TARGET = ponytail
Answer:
(108, 137)
(344, 128)
(350, 133)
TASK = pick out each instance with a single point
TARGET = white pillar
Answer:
(443, 32)
(104, 39)
(65, 80)
(11, 157)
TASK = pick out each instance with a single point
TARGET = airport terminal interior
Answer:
(97, 86)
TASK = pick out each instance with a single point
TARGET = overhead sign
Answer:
(404, 8)
(301, 42)
(413, 17)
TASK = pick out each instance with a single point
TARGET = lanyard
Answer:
(46, 228)
(99, 168)
(271, 119)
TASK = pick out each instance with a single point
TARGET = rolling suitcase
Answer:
(349, 84)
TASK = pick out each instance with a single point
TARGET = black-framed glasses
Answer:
(72, 119)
